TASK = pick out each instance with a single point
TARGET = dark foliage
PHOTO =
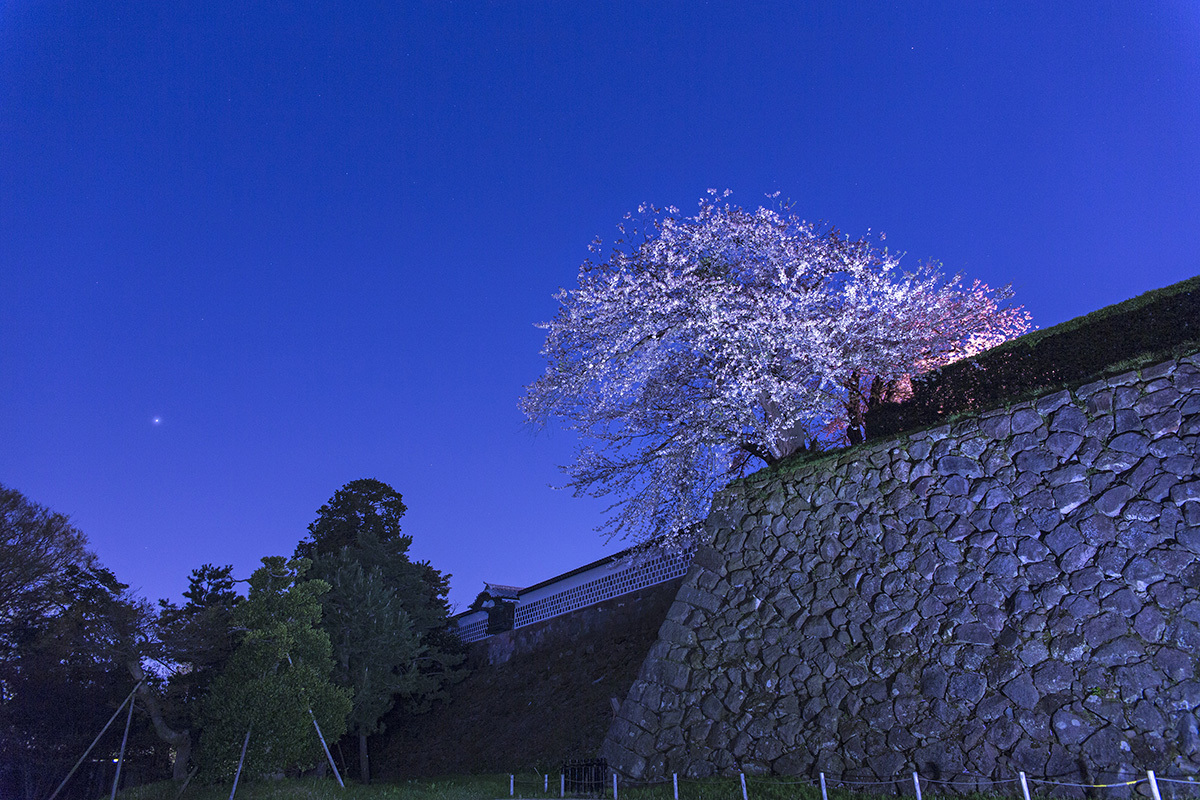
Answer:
(36, 546)
(195, 641)
(365, 505)
(385, 614)
(68, 677)
(1143, 329)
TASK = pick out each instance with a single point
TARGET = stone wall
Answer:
(1018, 590)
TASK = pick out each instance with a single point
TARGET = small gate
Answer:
(585, 776)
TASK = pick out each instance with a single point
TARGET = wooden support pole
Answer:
(121, 756)
(324, 746)
(116, 714)
(191, 774)
(241, 760)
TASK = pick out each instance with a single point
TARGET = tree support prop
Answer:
(328, 755)
(121, 756)
(93, 744)
(241, 760)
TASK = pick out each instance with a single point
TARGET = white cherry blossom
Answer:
(716, 343)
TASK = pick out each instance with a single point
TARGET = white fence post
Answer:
(675, 783)
(510, 785)
(917, 784)
(546, 783)
(744, 797)
(1153, 784)
(562, 784)
(1024, 786)
(614, 786)
(824, 796)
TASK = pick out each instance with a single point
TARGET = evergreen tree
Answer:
(376, 646)
(193, 642)
(277, 681)
(385, 614)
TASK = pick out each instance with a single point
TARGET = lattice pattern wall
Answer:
(472, 629)
(649, 573)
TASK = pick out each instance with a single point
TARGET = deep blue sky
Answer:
(314, 240)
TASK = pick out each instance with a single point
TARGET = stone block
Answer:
(1025, 420)
(1132, 443)
(669, 673)
(1022, 692)
(1036, 461)
(1048, 404)
(1123, 650)
(967, 688)
(1068, 646)
(1113, 501)
(1100, 402)
(1071, 496)
(1126, 420)
(1184, 695)
(1167, 422)
(699, 599)
(710, 559)
(959, 465)
(1159, 488)
(1115, 462)
(1077, 557)
(1070, 728)
(622, 760)
(1141, 573)
(1188, 492)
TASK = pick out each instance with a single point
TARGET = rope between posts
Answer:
(977, 782)
(779, 782)
(1090, 785)
(840, 782)
(632, 782)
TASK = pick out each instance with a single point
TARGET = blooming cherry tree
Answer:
(719, 342)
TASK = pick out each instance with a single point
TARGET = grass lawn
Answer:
(495, 787)
(474, 787)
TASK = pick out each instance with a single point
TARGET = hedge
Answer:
(1150, 327)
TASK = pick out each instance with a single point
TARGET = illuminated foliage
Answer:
(706, 345)
(276, 681)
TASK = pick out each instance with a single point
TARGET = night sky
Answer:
(252, 251)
